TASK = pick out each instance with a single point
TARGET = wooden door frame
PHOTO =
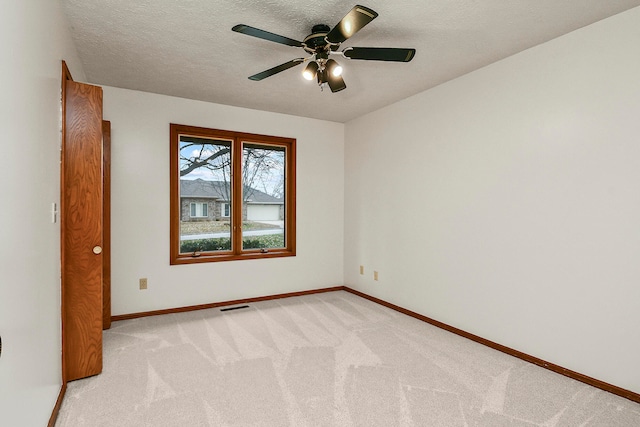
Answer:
(106, 224)
(66, 76)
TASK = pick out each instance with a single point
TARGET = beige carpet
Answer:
(331, 359)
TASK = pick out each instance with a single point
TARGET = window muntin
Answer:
(248, 181)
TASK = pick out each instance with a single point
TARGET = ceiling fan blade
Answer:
(266, 35)
(380, 53)
(277, 69)
(336, 83)
(353, 22)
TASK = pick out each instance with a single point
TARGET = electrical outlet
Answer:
(375, 275)
(143, 283)
(361, 269)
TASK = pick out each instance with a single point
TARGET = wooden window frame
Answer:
(237, 139)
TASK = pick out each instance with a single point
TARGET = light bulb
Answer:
(310, 71)
(334, 68)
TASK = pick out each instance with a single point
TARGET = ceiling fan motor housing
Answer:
(316, 41)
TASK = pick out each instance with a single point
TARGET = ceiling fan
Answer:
(324, 42)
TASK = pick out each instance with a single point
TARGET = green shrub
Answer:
(224, 243)
(205, 245)
(268, 241)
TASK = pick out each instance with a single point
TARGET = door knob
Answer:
(97, 250)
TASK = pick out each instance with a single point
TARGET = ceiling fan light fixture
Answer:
(334, 68)
(310, 71)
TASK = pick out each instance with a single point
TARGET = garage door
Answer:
(263, 212)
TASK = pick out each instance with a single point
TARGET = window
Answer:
(199, 210)
(249, 182)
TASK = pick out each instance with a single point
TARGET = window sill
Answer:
(189, 259)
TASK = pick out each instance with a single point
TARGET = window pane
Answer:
(263, 196)
(205, 180)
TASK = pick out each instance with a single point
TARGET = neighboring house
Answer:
(202, 200)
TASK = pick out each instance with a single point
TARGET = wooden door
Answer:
(106, 224)
(82, 231)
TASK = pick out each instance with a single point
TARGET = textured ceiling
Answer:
(187, 49)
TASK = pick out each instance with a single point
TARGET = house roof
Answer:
(199, 188)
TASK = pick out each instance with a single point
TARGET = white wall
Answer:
(33, 40)
(140, 205)
(507, 202)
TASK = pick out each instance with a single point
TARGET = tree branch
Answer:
(195, 164)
